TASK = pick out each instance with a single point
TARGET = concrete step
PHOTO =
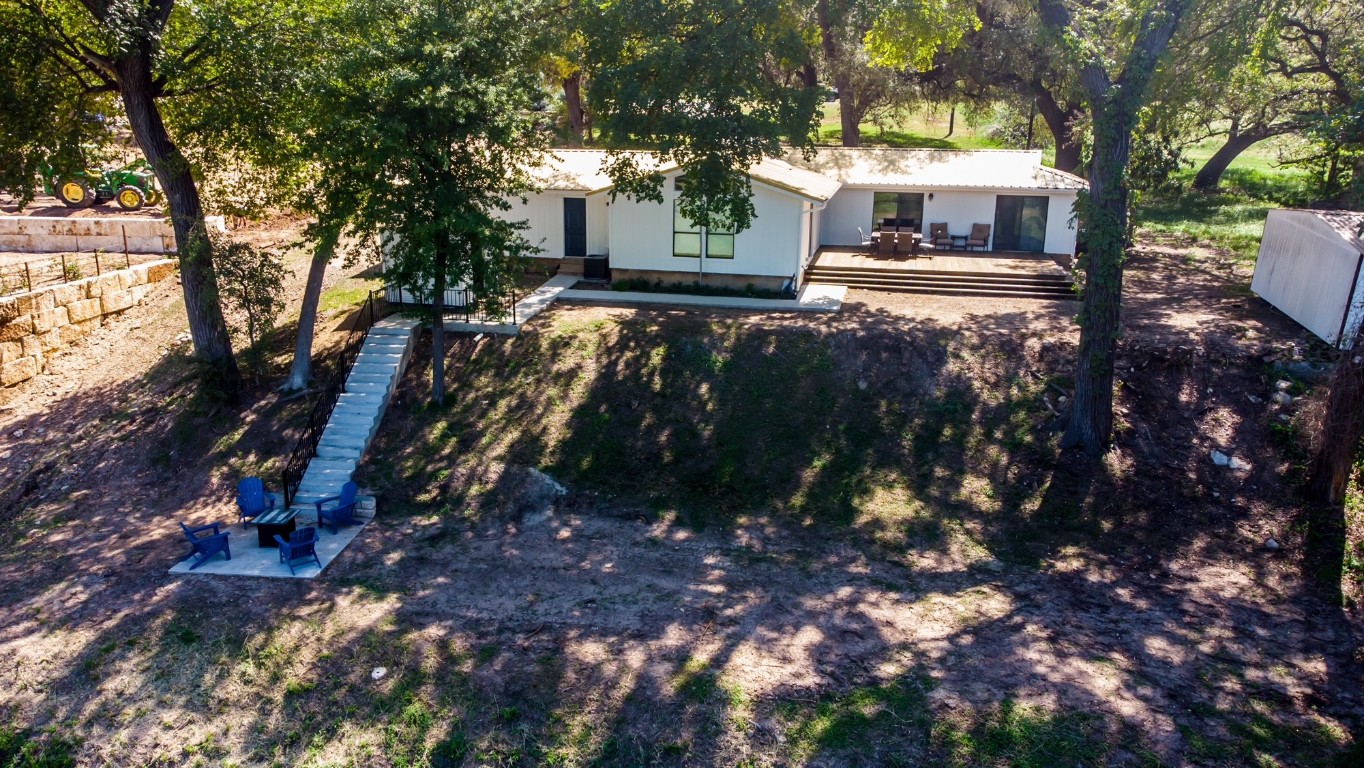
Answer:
(340, 451)
(323, 464)
(375, 388)
(356, 409)
(383, 329)
(370, 401)
(379, 356)
(362, 377)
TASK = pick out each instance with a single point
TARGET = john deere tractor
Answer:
(132, 186)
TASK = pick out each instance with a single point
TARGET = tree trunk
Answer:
(212, 345)
(573, 100)
(1060, 121)
(438, 327)
(1090, 425)
(1342, 427)
(847, 113)
(951, 122)
(1210, 175)
(301, 372)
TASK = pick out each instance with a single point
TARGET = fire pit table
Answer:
(275, 521)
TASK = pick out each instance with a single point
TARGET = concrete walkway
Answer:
(814, 297)
(526, 308)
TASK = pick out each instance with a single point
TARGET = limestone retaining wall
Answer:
(32, 325)
(133, 234)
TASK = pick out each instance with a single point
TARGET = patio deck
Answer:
(953, 273)
(1002, 263)
(251, 559)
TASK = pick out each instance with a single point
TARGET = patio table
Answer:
(275, 521)
(959, 242)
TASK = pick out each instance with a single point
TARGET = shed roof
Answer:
(937, 168)
(1348, 224)
(583, 170)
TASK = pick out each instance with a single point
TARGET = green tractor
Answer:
(132, 186)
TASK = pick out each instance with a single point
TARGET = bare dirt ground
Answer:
(583, 630)
(47, 205)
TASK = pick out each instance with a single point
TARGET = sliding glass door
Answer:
(1021, 223)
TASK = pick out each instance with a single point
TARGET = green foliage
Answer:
(913, 33)
(251, 282)
(46, 117)
(1156, 159)
(419, 128)
(24, 749)
(1027, 737)
(692, 81)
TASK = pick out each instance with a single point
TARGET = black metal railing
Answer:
(25, 276)
(331, 378)
(461, 305)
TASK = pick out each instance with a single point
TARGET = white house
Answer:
(802, 205)
(1310, 268)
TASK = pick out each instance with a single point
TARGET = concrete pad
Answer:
(250, 559)
(822, 297)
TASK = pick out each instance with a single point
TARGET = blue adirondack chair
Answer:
(336, 511)
(302, 544)
(206, 541)
(252, 500)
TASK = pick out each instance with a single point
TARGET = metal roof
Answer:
(1347, 224)
(937, 168)
(820, 176)
(582, 170)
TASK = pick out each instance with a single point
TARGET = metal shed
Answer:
(1309, 268)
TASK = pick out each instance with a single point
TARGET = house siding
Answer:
(641, 237)
(850, 208)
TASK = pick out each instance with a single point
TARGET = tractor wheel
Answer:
(130, 198)
(153, 196)
(75, 193)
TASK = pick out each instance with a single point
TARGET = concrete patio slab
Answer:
(250, 559)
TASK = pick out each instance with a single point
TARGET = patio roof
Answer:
(937, 168)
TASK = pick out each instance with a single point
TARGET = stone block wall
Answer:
(35, 324)
(138, 234)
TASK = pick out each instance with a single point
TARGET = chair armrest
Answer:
(214, 537)
(284, 545)
(200, 529)
(327, 500)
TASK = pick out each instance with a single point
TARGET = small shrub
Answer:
(696, 288)
(251, 283)
(71, 272)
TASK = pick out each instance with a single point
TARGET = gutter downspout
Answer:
(805, 258)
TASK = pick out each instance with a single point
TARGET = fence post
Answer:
(64, 273)
(97, 269)
(28, 273)
(124, 227)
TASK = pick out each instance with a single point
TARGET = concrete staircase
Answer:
(369, 387)
(952, 283)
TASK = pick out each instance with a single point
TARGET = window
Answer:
(688, 238)
(720, 242)
(907, 208)
(686, 235)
